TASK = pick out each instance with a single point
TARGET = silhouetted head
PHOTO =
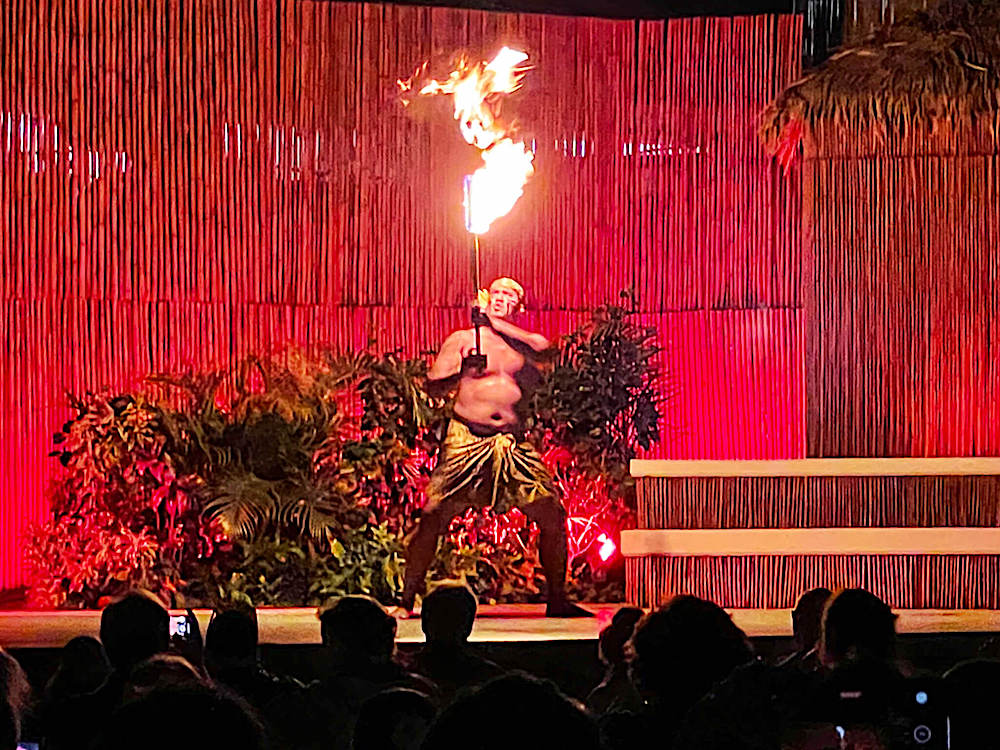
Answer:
(231, 639)
(162, 671)
(616, 634)
(356, 628)
(973, 689)
(396, 719)
(15, 690)
(134, 628)
(15, 697)
(197, 718)
(10, 727)
(83, 667)
(807, 617)
(857, 626)
(681, 649)
(448, 613)
(514, 711)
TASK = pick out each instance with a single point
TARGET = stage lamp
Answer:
(607, 547)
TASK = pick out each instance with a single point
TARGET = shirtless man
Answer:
(484, 459)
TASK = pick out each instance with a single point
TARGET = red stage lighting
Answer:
(607, 548)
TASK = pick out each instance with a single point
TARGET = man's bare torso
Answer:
(491, 399)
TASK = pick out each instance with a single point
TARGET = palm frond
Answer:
(243, 503)
(312, 509)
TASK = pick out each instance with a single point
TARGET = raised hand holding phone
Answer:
(186, 640)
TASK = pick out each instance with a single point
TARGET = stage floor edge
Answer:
(495, 624)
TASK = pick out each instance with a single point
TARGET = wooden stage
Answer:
(510, 623)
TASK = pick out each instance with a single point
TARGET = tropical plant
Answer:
(122, 513)
(264, 454)
(271, 571)
(294, 477)
(600, 401)
(83, 560)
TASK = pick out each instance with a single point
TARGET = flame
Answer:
(493, 189)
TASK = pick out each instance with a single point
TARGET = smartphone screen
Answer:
(908, 714)
(180, 626)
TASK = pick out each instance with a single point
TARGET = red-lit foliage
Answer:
(122, 515)
(295, 477)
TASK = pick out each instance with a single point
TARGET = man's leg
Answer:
(550, 516)
(420, 551)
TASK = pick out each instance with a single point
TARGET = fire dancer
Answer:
(485, 460)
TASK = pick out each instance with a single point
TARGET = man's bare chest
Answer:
(501, 357)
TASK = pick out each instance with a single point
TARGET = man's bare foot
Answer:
(565, 608)
(402, 613)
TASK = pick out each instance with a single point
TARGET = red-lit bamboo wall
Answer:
(909, 581)
(187, 181)
(900, 301)
(900, 291)
(776, 581)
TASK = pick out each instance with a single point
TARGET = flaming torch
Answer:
(492, 190)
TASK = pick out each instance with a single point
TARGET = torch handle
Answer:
(478, 359)
(477, 280)
(475, 246)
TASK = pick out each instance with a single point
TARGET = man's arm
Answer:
(536, 341)
(447, 366)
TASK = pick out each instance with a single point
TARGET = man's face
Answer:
(504, 301)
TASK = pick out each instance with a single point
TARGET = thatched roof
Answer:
(936, 66)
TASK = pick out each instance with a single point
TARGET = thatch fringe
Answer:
(935, 67)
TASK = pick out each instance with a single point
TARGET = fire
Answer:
(476, 89)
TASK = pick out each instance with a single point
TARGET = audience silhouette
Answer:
(10, 727)
(616, 691)
(447, 616)
(359, 640)
(196, 717)
(797, 702)
(682, 677)
(973, 690)
(15, 700)
(233, 662)
(807, 624)
(83, 667)
(858, 628)
(161, 671)
(677, 653)
(232, 659)
(133, 629)
(395, 719)
(513, 711)
(857, 650)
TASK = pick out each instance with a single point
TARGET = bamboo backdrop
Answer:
(901, 297)
(776, 581)
(899, 306)
(817, 502)
(187, 181)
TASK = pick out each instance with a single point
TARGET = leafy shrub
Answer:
(294, 478)
(599, 402)
(276, 572)
(81, 561)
